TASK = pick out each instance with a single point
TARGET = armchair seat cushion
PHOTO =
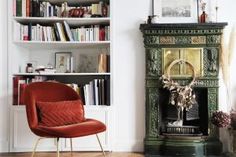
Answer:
(60, 113)
(87, 127)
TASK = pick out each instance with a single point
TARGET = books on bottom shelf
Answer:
(97, 92)
(19, 84)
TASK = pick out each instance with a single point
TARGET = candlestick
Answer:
(216, 7)
(152, 7)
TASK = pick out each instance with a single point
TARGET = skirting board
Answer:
(128, 146)
(4, 146)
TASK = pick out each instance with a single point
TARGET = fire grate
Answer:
(182, 130)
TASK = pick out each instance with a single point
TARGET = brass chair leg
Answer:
(35, 146)
(71, 146)
(100, 145)
(58, 155)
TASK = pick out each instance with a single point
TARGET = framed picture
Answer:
(63, 62)
(176, 11)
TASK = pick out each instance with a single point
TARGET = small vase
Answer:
(203, 17)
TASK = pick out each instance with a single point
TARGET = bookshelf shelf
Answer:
(61, 45)
(62, 74)
(70, 21)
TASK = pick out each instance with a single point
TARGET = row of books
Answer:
(37, 8)
(93, 33)
(60, 32)
(96, 92)
(19, 84)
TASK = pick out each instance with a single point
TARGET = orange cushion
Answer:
(60, 113)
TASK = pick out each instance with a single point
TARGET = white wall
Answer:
(129, 73)
(3, 79)
(226, 10)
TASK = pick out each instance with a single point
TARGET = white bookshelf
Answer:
(20, 52)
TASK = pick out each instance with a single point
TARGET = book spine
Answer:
(22, 92)
(48, 33)
(96, 33)
(96, 91)
(102, 34)
(14, 8)
(103, 91)
(57, 35)
(18, 8)
(19, 91)
(25, 33)
(33, 32)
(91, 93)
(61, 32)
(86, 34)
(29, 31)
(27, 8)
(100, 91)
(45, 34)
(91, 34)
(31, 8)
(15, 89)
(23, 8)
(53, 34)
(87, 93)
(68, 31)
(107, 92)
(82, 34)
(81, 93)
(35, 8)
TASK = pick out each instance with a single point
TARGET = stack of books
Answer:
(60, 32)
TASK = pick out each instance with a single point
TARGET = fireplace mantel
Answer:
(203, 42)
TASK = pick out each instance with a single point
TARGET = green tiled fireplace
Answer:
(199, 44)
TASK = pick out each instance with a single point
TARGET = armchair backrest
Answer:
(45, 92)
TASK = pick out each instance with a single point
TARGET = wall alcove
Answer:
(199, 44)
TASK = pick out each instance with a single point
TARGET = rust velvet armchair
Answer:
(55, 110)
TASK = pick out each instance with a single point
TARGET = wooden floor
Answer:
(66, 154)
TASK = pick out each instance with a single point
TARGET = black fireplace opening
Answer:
(195, 121)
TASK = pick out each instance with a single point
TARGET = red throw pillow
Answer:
(60, 113)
